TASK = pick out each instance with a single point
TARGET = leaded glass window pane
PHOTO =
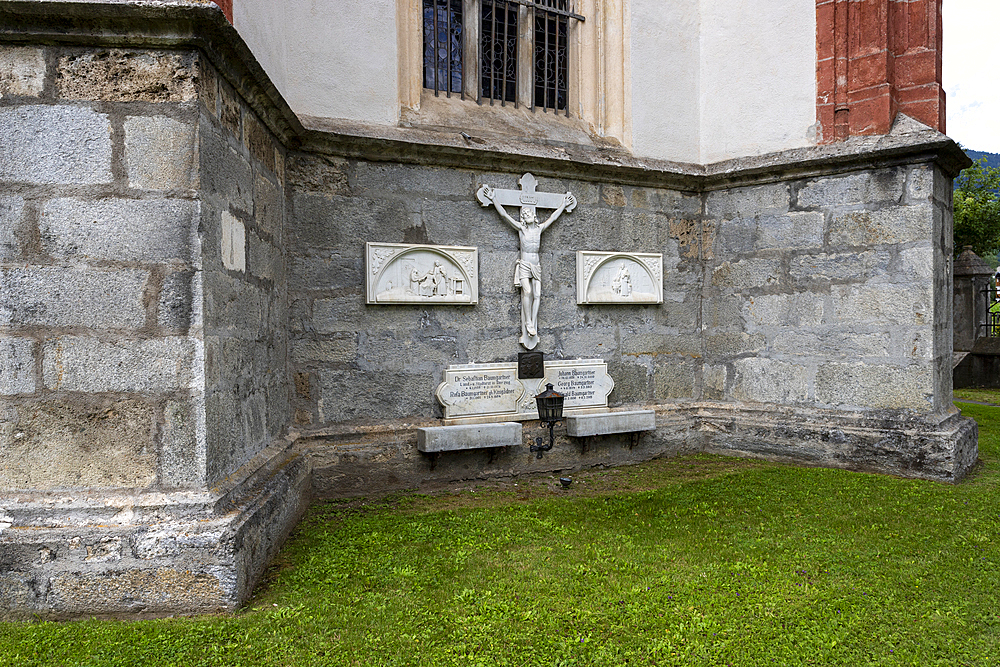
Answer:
(443, 37)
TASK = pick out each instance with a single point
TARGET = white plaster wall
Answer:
(328, 58)
(758, 77)
(665, 47)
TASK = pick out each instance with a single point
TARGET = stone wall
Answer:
(101, 215)
(242, 167)
(186, 353)
(143, 327)
(826, 296)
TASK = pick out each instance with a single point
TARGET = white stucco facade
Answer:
(757, 92)
(706, 80)
(328, 58)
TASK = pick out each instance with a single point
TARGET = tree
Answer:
(977, 209)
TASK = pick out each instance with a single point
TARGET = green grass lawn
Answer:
(697, 560)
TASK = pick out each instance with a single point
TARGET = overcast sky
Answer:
(972, 72)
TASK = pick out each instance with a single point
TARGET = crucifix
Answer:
(528, 268)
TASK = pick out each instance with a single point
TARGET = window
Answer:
(520, 47)
(443, 45)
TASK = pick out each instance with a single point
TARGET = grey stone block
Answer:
(400, 179)
(73, 363)
(660, 342)
(345, 224)
(793, 230)
(234, 305)
(268, 207)
(341, 350)
(318, 174)
(881, 186)
(831, 344)
(713, 381)
(263, 259)
(176, 306)
(122, 75)
(17, 366)
(747, 273)
(802, 309)
(55, 145)
(11, 210)
(897, 224)
(404, 351)
(762, 380)
(863, 386)
(326, 271)
(732, 343)
(348, 394)
(22, 71)
(920, 184)
(882, 303)
(735, 236)
(79, 444)
(225, 173)
(436, 439)
(916, 265)
(159, 153)
(748, 202)
(853, 266)
(603, 423)
(125, 230)
(673, 378)
(182, 446)
(71, 297)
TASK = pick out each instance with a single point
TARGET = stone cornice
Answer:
(200, 24)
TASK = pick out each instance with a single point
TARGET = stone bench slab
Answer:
(604, 423)
(434, 439)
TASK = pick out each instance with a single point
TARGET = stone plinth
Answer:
(436, 439)
(630, 421)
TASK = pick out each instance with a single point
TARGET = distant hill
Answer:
(992, 159)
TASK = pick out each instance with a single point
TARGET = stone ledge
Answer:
(436, 439)
(585, 425)
(191, 557)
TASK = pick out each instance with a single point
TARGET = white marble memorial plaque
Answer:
(494, 392)
(425, 274)
(618, 277)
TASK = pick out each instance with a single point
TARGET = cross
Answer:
(525, 197)
(528, 268)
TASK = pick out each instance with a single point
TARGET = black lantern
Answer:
(550, 411)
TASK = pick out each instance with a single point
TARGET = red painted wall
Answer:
(877, 58)
(227, 8)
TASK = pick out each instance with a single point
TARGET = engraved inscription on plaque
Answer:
(426, 274)
(477, 391)
(618, 277)
(480, 390)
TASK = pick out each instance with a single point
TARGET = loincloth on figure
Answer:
(524, 269)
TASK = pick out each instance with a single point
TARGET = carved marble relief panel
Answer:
(618, 277)
(427, 274)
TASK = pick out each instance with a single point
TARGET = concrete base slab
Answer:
(632, 421)
(896, 442)
(109, 555)
(434, 439)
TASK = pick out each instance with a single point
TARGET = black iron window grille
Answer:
(498, 40)
(551, 55)
(991, 327)
(443, 45)
(522, 48)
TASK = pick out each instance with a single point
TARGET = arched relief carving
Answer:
(618, 277)
(404, 273)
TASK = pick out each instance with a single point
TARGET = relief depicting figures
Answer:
(400, 273)
(528, 268)
(618, 277)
